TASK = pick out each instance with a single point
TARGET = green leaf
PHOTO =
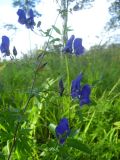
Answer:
(68, 29)
(54, 40)
(56, 29)
(2, 128)
(117, 124)
(77, 144)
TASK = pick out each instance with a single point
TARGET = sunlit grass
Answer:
(96, 125)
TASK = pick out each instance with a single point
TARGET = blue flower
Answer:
(82, 94)
(5, 45)
(78, 48)
(77, 44)
(28, 21)
(22, 16)
(68, 47)
(62, 130)
(75, 88)
(85, 93)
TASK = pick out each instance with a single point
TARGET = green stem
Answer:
(68, 80)
(67, 71)
(64, 7)
(30, 41)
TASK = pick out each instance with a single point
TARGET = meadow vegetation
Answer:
(94, 128)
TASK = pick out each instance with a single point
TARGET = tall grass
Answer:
(97, 125)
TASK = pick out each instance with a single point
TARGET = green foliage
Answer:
(75, 143)
(57, 30)
(114, 10)
(95, 129)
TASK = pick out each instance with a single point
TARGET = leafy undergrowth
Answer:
(95, 128)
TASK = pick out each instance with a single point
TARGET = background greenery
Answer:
(96, 127)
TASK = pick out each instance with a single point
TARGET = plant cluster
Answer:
(47, 113)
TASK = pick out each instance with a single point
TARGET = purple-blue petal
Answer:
(75, 90)
(78, 80)
(84, 101)
(30, 23)
(68, 46)
(22, 16)
(31, 14)
(5, 44)
(62, 130)
(30, 20)
(78, 48)
(85, 93)
(75, 87)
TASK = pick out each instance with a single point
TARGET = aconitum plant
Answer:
(84, 96)
(62, 130)
(74, 44)
(27, 19)
(78, 48)
(22, 16)
(81, 93)
(68, 46)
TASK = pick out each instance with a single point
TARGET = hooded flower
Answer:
(68, 47)
(22, 16)
(62, 130)
(76, 44)
(78, 48)
(85, 93)
(75, 88)
(5, 45)
(29, 22)
(82, 94)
